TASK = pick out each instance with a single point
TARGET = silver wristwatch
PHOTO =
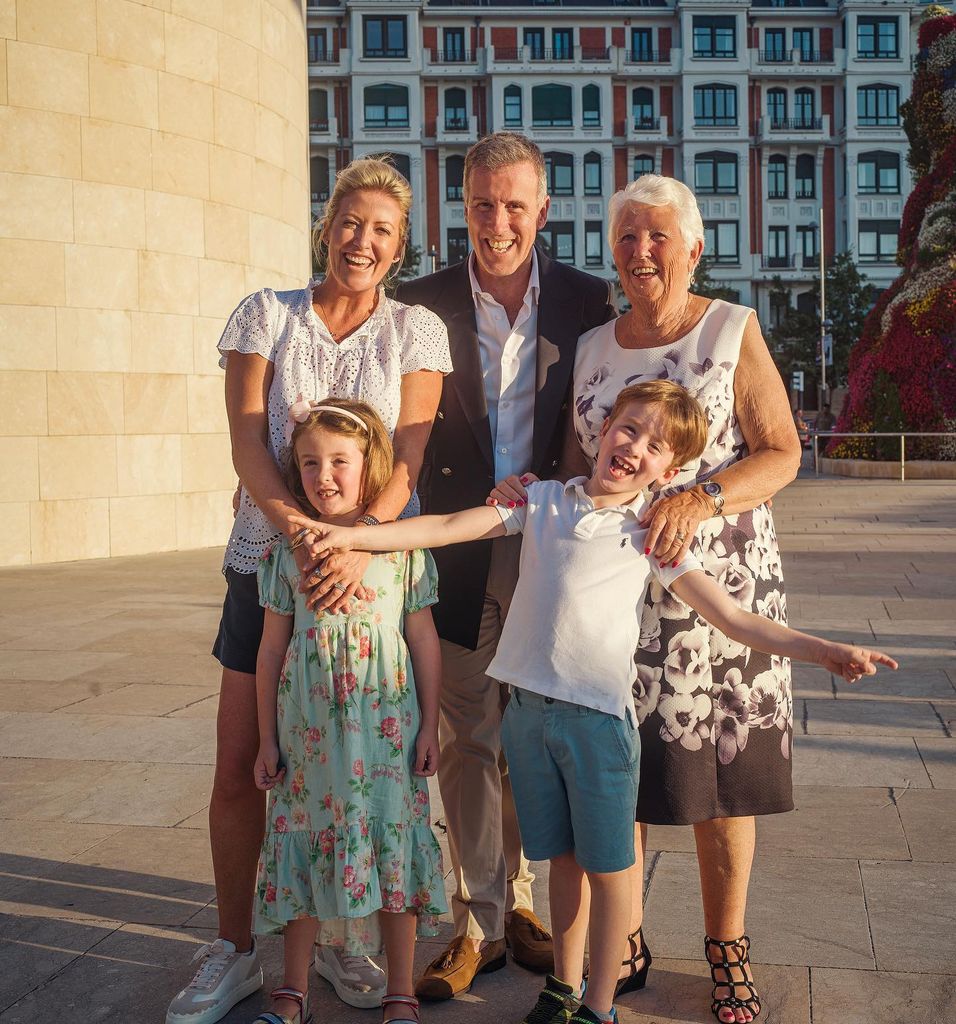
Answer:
(713, 490)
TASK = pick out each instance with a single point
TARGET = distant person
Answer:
(567, 650)
(348, 728)
(825, 419)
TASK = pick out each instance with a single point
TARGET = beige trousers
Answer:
(492, 876)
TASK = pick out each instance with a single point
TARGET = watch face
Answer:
(712, 488)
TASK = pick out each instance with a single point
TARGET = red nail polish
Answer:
(511, 504)
(674, 565)
(647, 551)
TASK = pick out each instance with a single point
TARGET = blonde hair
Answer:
(505, 149)
(373, 443)
(366, 174)
(658, 190)
(685, 424)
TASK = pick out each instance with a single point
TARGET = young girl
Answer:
(347, 731)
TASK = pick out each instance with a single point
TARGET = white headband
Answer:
(300, 411)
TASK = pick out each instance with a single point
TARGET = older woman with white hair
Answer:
(715, 718)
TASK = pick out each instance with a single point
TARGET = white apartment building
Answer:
(782, 115)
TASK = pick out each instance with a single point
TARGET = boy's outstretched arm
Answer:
(482, 523)
(713, 603)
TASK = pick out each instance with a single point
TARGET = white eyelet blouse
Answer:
(367, 366)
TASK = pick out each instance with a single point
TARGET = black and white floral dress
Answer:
(716, 718)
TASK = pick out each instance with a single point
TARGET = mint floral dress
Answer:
(348, 829)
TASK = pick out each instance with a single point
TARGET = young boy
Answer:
(567, 650)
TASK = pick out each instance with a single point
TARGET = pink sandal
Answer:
(302, 1017)
(408, 1001)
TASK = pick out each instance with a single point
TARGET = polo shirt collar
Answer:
(534, 282)
(576, 486)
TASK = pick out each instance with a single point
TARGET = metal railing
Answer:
(902, 435)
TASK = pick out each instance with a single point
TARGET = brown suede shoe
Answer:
(529, 941)
(453, 972)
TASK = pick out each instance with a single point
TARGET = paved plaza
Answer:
(107, 707)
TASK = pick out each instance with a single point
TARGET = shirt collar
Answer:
(534, 284)
(576, 486)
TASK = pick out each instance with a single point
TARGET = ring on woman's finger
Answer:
(316, 578)
(338, 586)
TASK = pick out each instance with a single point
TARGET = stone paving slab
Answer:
(878, 997)
(870, 718)
(929, 820)
(859, 761)
(939, 757)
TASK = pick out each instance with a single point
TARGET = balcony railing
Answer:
(778, 262)
(456, 124)
(319, 126)
(805, 192)
(773, 56)
(815, 56)
(441, 56)
(646, 124)
(796, 124)
(535, 53)
(776, 194)
(877, 54)
(810, 262)
(885, 121)
(647, 56)
(508, 53)
(324, 57)
(592, 53)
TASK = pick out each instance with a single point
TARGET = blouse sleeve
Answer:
(421, 581)
(251, 327)
(276, 589)
(424, 341)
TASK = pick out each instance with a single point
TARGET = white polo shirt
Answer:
(575, 619)
(508, 370)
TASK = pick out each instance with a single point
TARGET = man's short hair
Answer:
(505, 149)
(685, 423)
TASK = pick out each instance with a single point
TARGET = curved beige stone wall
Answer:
(153, 171)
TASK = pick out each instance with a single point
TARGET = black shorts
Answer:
(240, 628)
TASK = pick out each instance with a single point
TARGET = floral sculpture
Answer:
(902, 371)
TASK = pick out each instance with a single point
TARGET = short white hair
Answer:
(657, 190)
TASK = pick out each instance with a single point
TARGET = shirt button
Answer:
(503, 451)
(549, 700)
(505, 405)
(445, 471)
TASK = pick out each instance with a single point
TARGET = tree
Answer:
(795, 339)
(705, 285)
(849, 298)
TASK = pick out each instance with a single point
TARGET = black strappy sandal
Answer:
(741, 950)
(637, 979)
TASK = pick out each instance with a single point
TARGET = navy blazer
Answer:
(458, 471)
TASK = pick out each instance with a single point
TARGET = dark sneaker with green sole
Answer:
(585, 1015)
(555, 1004)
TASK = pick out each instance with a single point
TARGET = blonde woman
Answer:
(339, 337)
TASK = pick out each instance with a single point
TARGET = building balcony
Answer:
(576, 60)
(646, 129)
(454, 63)
(329, 62)
(778, 262)
(457, 129)
(324, 132)
(792, 129)
(797, 63)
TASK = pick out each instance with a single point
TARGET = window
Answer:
(715, 173)
(777, 107)
(454, 178)
(878, 172)
(319, 178)
(456, 116)
(402, 163)
(877, 105)
(551, 106)
(513, 106)
(454, 45)
(804, 108)
(592, 174)
(385, 37)
(778, 254)
(775, 44)
(457, 243)
(715, 105)
(643, 164)
(559, 170)
(534, 40)
(591, 106)
(720, 240)
(807, 244)
(642, 106)
(803, 43)
(878, 241)
(715, 36)
(318, 45)
(877, 38)
(642, 45)
(318, 110)
(557, 239)
(777, 177)
(386, 106)
(806, 185)
(593, 243)
(562, 43)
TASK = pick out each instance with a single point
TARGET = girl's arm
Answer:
(276, 633)
(422, 640)
(713, 603)
(482, 523)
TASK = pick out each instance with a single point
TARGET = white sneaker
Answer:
(357, 980)
(224, 977)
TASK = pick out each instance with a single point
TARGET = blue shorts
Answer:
(240, 628)
(574, 773)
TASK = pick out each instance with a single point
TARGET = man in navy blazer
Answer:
(514, 317)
